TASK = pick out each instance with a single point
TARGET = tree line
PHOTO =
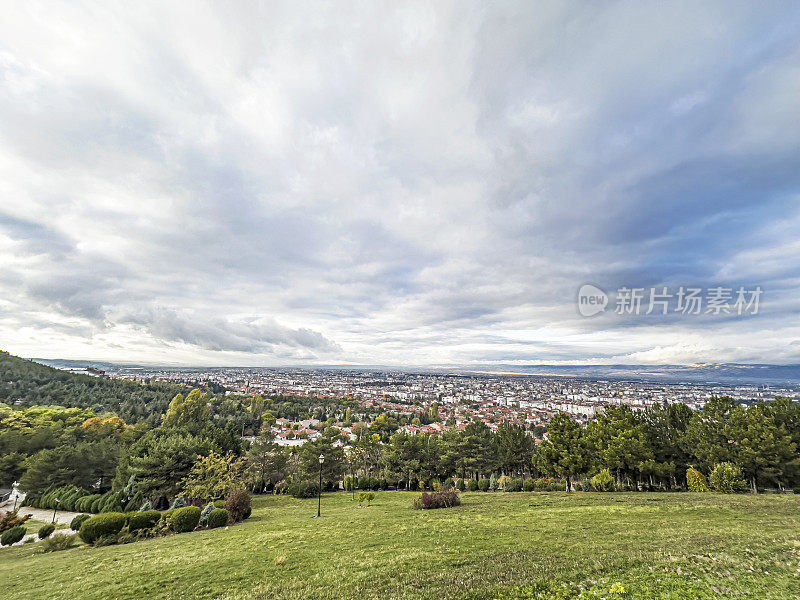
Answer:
(643, 450)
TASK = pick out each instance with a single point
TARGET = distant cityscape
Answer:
(527, 400)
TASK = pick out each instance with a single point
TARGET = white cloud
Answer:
(411, 184)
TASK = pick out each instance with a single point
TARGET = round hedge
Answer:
(217, 518)
(12, 536)
(143, 520)
(45, 530)
(76, 523)
(101, 525)
(184, 519)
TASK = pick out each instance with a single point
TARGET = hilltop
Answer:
(27, 383)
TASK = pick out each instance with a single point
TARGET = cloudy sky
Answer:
(415, 184)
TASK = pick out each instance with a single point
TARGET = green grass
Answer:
(676, 546)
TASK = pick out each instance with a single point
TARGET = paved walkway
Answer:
(46, 515)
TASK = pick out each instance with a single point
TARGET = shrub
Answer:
(473, 485)
(436, 485)
(238, 504)
(184, 519)
(58, 542)
(449, 483)
(106, 540)
(368, 496)
(483, 485)
(11, 519)
(95, 506)
(303, 489)
(696, 480)
(556, 485)
(493, 485)
(515, 485)
(219, 503)
(12, 536)
(527, 485)
(206, 511)
(103, 525)
(460, 485)
(443, 499)
(603, 481)
(727, 478)
(217, 518)
(179, 502)
(146, 505)
(143, 520)
(45, 531)
(540, 485)
(76, 523)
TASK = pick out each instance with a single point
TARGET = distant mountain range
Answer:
(729, 374)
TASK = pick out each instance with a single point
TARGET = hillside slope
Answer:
(27, 383)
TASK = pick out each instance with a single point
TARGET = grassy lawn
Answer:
(655, 545)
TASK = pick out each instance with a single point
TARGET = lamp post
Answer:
(58, 501)
(319, 490)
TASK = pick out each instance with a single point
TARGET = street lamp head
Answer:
(321, 458)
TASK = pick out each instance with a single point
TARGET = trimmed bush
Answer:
(12, 536)
(696, 480)
(219, 503)
(527, 485)
(184, 519)
(603, 481)
(515, 485)
(443, 499)
(143, 520)
(727, 478)
(107, 524)
(472, 486)
(45, 531)
(95, 506)
(238, 504)
(76, 523)
(460, 486)
(483, 485)
(217, 518)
